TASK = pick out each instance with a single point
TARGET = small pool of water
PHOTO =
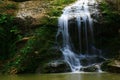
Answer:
(63, 76)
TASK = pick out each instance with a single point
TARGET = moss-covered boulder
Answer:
(111, 66)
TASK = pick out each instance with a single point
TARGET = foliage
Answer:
(20, 0)
(10, 6)
(57, 6)
(39, 48)
(109, 13)
(62, 2)
(34, 52)
(8, 36)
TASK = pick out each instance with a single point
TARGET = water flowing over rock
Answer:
(76, 29)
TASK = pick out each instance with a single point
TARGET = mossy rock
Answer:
(111, 66)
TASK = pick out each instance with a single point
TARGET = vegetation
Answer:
(8, 7)
(9, 34)
(23, 48)
(26, 48)
(110, 13)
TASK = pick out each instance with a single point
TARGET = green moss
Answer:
(61, 2)
(38, 50)
(11, 6)
(109, 13)
(20, 0)
(8, 35)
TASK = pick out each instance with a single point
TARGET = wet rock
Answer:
(92, 68)
(111, 66)
(56, 67)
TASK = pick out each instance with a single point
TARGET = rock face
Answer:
(32, 12)
(56, 67)
(35, 9)
(111, 66)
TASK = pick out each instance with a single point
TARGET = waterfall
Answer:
(75, 26)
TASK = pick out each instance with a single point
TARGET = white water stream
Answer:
(79, 13)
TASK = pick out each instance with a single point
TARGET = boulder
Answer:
(56, 67)
(111, 66)
(92, 68)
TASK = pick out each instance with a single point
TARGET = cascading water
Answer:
(76, 29)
